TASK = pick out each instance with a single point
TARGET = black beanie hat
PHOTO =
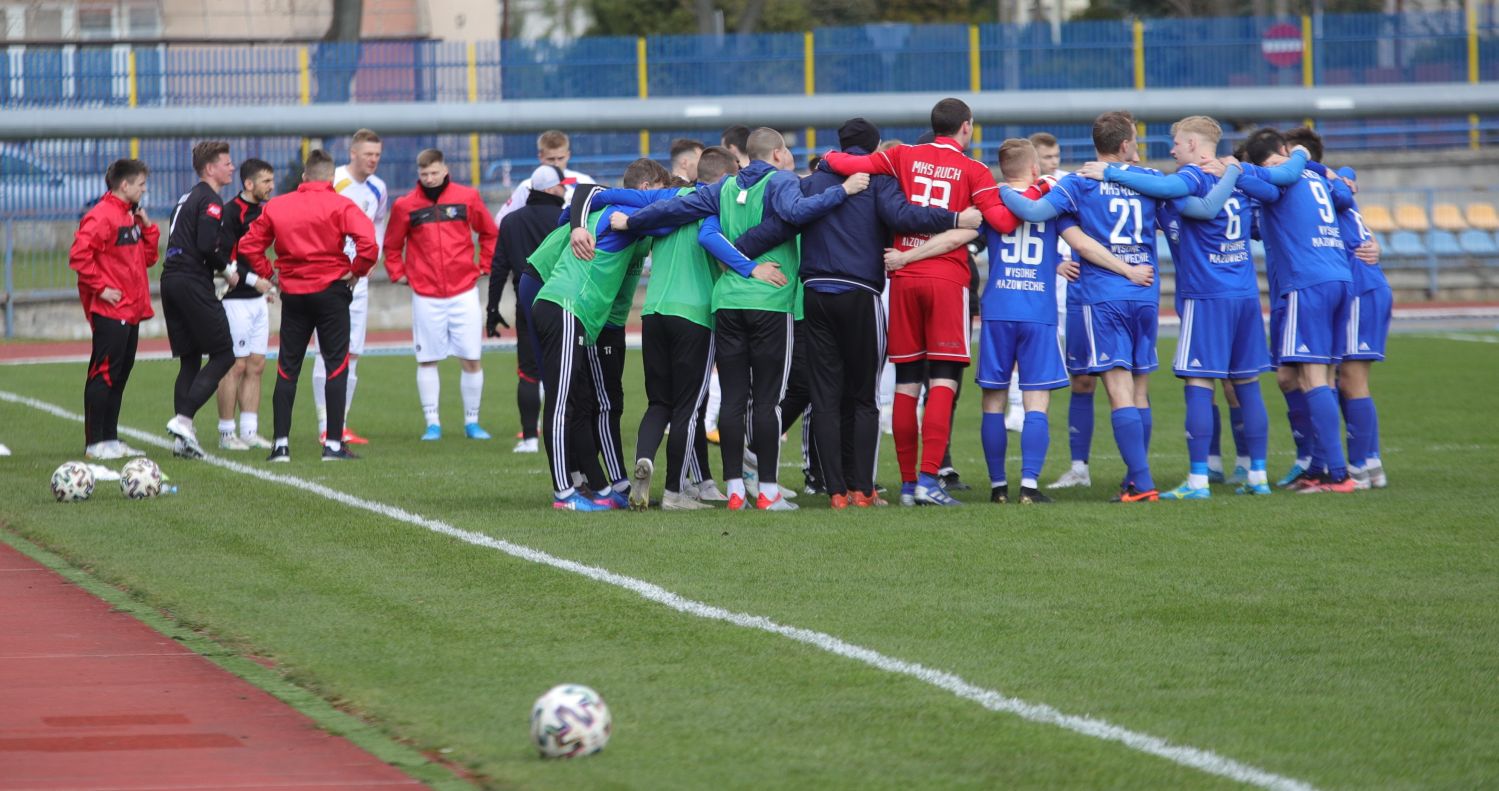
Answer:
(859, 133)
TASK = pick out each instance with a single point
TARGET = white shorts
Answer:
(359, 316)
(447, 327)
(249, 325)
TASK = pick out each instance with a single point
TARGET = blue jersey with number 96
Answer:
(1022, 274)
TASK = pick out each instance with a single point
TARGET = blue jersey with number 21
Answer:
(1022, 274)
(1124, 221)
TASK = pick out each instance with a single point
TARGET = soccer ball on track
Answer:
(72, 482)
(570, 720)
(140, 479)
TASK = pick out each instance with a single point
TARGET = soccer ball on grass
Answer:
(570, 720)
(72, 482)
(140, 478)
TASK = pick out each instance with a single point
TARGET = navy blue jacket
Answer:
(845, 249)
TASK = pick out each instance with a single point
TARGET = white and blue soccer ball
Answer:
(140, 479)
(569, 721)
(72, 482)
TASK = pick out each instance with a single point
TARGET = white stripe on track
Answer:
(1192, 757)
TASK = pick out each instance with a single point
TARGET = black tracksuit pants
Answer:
(845, 338)
(753, 350)
(678, 360)
(109, 368)
(325, 312)
(564, 371)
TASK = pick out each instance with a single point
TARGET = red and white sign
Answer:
(1282, 44)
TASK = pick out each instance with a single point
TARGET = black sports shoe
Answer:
(1029, 496)
(813, 484)
(342, 454)
(951, 481)
(280, 453)
(999, 494)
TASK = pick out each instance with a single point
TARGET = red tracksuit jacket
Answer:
(113, 249)
(431, 243)
(309, 227)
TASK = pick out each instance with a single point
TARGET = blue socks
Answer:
(1034, 439)
(1236, 424)
(1322, 404)
(1146, 424)
(1129, 435)
(1252, 425)
(1080, 426)
(996, 442)
(1215, 444)
(1301, 424)
(1199, 426)
(1360, 416)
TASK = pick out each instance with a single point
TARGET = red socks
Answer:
(936, 428)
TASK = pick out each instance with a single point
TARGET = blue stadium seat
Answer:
(1478, 243)
(1257, 249)
(1379, 239)
(1406, 244)
(1444, 243)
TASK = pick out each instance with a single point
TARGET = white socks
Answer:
(472, 387)
(736, 486)
(226, 428)
(428, 386)
(319, 395)
(249, 424)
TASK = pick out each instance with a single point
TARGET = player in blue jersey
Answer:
(1308, 263)
(1217, 293)
(1019, 307)
(1119, 313)
(1368, 327)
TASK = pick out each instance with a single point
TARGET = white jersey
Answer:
(1066, 252)
(523, 191)
(371, 197)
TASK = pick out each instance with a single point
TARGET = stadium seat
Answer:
(1447, 217)
(1406, 244)
(1444, 243)
(1478, 243)
(1411, 217)
(1377, 218)
(1483, 216)
(1257, 249)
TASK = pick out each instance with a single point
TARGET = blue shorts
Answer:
(1315, 328)
(1369, 324)
(1120, 335)
(1221, 339)
(1076, 344)
(1034, 348)
(1277, 320)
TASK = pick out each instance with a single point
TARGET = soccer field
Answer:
(1331, 641)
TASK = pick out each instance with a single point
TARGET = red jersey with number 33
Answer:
(935, 174)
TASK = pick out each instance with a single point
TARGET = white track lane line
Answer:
(1192, 757)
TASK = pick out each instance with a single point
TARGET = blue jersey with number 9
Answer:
(1303, 246)
(1122, 220)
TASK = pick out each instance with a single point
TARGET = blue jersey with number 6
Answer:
(1303, 246)
(1022, 274)
(1212, 256)
(1120, 218)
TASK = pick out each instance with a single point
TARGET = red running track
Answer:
(91, 698)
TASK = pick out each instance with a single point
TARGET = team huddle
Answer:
(784, 296)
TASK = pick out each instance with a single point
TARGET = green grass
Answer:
(1345, 641)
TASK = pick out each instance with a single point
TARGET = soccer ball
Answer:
(570, 720)
(72, 482)
(140, 478)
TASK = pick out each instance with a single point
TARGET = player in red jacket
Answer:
(115, 245)
(316, 279)
(929, 316)
(430, 246)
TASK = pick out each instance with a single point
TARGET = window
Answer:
(96, 22)
(144, 21)
(44, 24)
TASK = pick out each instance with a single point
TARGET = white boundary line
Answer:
(1202, 760)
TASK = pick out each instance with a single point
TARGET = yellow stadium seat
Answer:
(1483, 216)
(1377, 218)
(1411, 217)
(1447, 217)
